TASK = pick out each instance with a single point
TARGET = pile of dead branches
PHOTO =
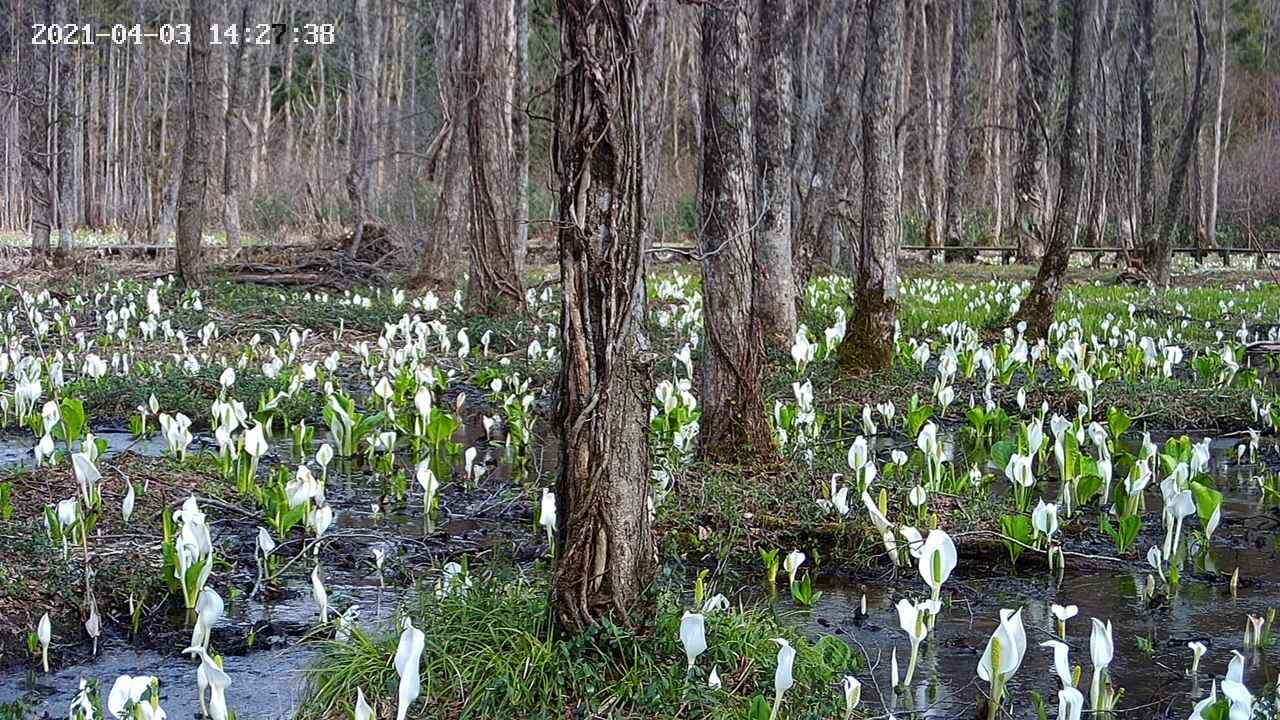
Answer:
(335, 263)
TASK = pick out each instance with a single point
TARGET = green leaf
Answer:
(1086, 487)
(759, 708)
(1015, 528)
(1001, 452)
(1118, 421)
(1208, 501)
(1123, 533)
(73, 419)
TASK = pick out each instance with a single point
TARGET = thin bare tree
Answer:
(234, 139)
(1215, 163)
(364, 84)
(1160, 249)
(195, 165)
(65, 129)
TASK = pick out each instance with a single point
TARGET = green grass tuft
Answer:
(490, 653)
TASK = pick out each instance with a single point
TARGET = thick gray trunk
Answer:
(733, 419)
(775, 287)
(1035, 62)
(496, 284)
(444, 254)
(835, 150)
(869, 342)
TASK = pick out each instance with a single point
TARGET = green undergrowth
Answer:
(490, 653)
(729, 512)
(117, 398)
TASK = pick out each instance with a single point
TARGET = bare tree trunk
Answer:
(1160, 250)
(362, 93)
(1100, 131)
(902, 99)
(92, 187)
(1146, 123)
(445, 251)
(233, 145)
(818, 63)
(1037, 307)
(606, 539)
(959, 127)
(869, 343)
(520, 123)
(1035, 87)
(995, 163)
(937, 46)
(66, 146)
(496, 285)
(733, 359)
(774, 289)
(195, 166)
(831, 164)
(140, 187)
(1215, 164)
(35, 146)
(290, 141)
(169, 202)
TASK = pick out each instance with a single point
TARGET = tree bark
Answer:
(496, 285)
(65, 129)
(1146, 123)
(520, 123)
(173, 184)
(869, 343)
(195, 165)
(1101, 130)
(1037, 307)
(959, 128)
(35, 144)
(1160, 250)
(363, 92)
(937, 40)
(234, 138)
(826, 181)
(775, 287)
(448, 162)
(1035, 62)
(606, 542)
(1215, 163)
(733, 418)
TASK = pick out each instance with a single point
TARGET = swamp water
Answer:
(269, 678)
